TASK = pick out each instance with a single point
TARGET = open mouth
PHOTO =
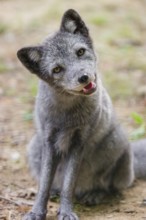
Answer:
(89, 89)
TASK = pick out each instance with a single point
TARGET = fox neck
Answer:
(66, 100)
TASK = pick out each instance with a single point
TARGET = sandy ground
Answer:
(27, 22)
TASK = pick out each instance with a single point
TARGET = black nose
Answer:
(83, 79)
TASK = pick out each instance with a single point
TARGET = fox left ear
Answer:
(72, 23)
(30, 58)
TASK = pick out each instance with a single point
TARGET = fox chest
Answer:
(65, 139)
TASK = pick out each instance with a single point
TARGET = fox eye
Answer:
(80, 52)
(57, 69)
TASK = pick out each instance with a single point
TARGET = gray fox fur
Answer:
(79, 149)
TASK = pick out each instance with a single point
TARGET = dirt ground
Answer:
(118, 29)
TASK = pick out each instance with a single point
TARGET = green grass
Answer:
(33, 86)
(140, 127)
(10, 92)
(53, 13)
(118, 85)
(3, 67)
(28, 96)
(3, 27)
(50, 14)
(100, 20)
(28, 116)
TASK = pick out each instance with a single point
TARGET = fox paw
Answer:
(34, 216)
(67, 216)
(91, 198)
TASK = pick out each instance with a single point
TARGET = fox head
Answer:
(66, 60)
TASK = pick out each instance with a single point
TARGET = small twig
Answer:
(19, 203)
(8, 200)
(2, 217)
(144, 202)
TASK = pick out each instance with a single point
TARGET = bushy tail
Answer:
(139, 151)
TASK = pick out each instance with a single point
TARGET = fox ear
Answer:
(72, 23)
(30, 58)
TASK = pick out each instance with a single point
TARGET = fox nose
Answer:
(83, 79)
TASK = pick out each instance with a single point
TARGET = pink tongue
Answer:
(87, 88)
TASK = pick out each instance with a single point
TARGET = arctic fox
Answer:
(79, 150)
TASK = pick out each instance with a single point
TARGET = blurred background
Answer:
(118, 29)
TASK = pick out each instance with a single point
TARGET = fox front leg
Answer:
(48, 167)
(70, 177)
(65, 211)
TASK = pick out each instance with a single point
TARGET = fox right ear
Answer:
(30, 58)
(73, 23)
